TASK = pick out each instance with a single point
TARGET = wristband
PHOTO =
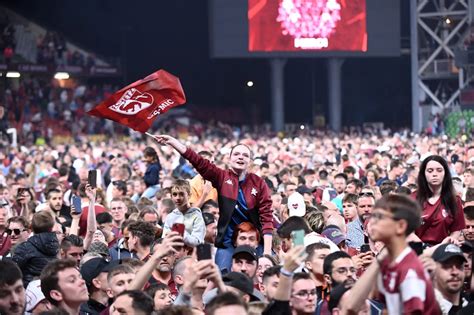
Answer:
(286, 273)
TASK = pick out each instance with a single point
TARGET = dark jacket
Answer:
(35, 253)
(91, 307)
(256, 193)
(152, 174)
(118, 251)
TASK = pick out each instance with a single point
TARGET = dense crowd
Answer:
(315, 223)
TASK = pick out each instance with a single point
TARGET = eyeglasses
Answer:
(380, 216)
(15, 231)
(345, 270)
(366, 194)
(304, 294)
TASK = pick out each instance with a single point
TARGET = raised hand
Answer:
(91, 192)
(294, 258)
(171, 241)
(173, 142)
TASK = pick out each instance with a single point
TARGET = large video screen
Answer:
(304, 28)
(295, 25)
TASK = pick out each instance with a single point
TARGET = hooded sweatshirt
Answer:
(195, 228)
(35, 253)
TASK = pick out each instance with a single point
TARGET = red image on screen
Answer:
(298, 25)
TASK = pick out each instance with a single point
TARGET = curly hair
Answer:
(145, 232)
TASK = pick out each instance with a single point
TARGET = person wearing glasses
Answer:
(397, 272)
(17, 229)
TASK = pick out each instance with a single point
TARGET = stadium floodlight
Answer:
(13, 74)
(249, 83)
(61, 76)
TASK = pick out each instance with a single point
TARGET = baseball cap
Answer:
(296, 205)
(245, 249)
(208, 218)
(447, 251)
(304, 190)
(95, 266)
(243, 283)
(33, 295)
(334, 234)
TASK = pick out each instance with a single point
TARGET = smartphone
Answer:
(178, 227)
(365, 248)
(203, 251)
(297, 237)
(417, 247)
(76, 201)
(92, 178)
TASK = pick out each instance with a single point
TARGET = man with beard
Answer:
(469, 219)
(449, 278)
(62, 213)
(12, 292)
(72, 246)
(245, 260)
(338, 268)
(211, 228)
(355, 229)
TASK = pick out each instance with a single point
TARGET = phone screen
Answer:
(76, 201)
(203, 251)
(297, 237)
(365, 248)
(92, 178)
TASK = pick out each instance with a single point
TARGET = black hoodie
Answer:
(35, 253)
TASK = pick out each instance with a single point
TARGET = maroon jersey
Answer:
(438, 222)
(405, 286)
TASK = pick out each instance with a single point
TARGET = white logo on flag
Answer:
(132, 102)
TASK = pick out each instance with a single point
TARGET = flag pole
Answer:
(150, 135)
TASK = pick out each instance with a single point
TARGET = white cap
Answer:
(33, 295)
(296, 205)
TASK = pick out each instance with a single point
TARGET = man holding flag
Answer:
(243, 196)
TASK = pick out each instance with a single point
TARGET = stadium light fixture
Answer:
(61, 76)
(13, 74)
(249, 83)
(447, 21)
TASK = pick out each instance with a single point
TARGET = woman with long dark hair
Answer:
(442, 213)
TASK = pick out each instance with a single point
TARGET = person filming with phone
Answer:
(243, 196)
(185, 220)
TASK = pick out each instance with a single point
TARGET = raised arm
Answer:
(172, 142)
(91, 219)
(171, 241)
(362, 288)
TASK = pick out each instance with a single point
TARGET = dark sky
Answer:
(173, 35)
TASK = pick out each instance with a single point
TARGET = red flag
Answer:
(138, 104)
